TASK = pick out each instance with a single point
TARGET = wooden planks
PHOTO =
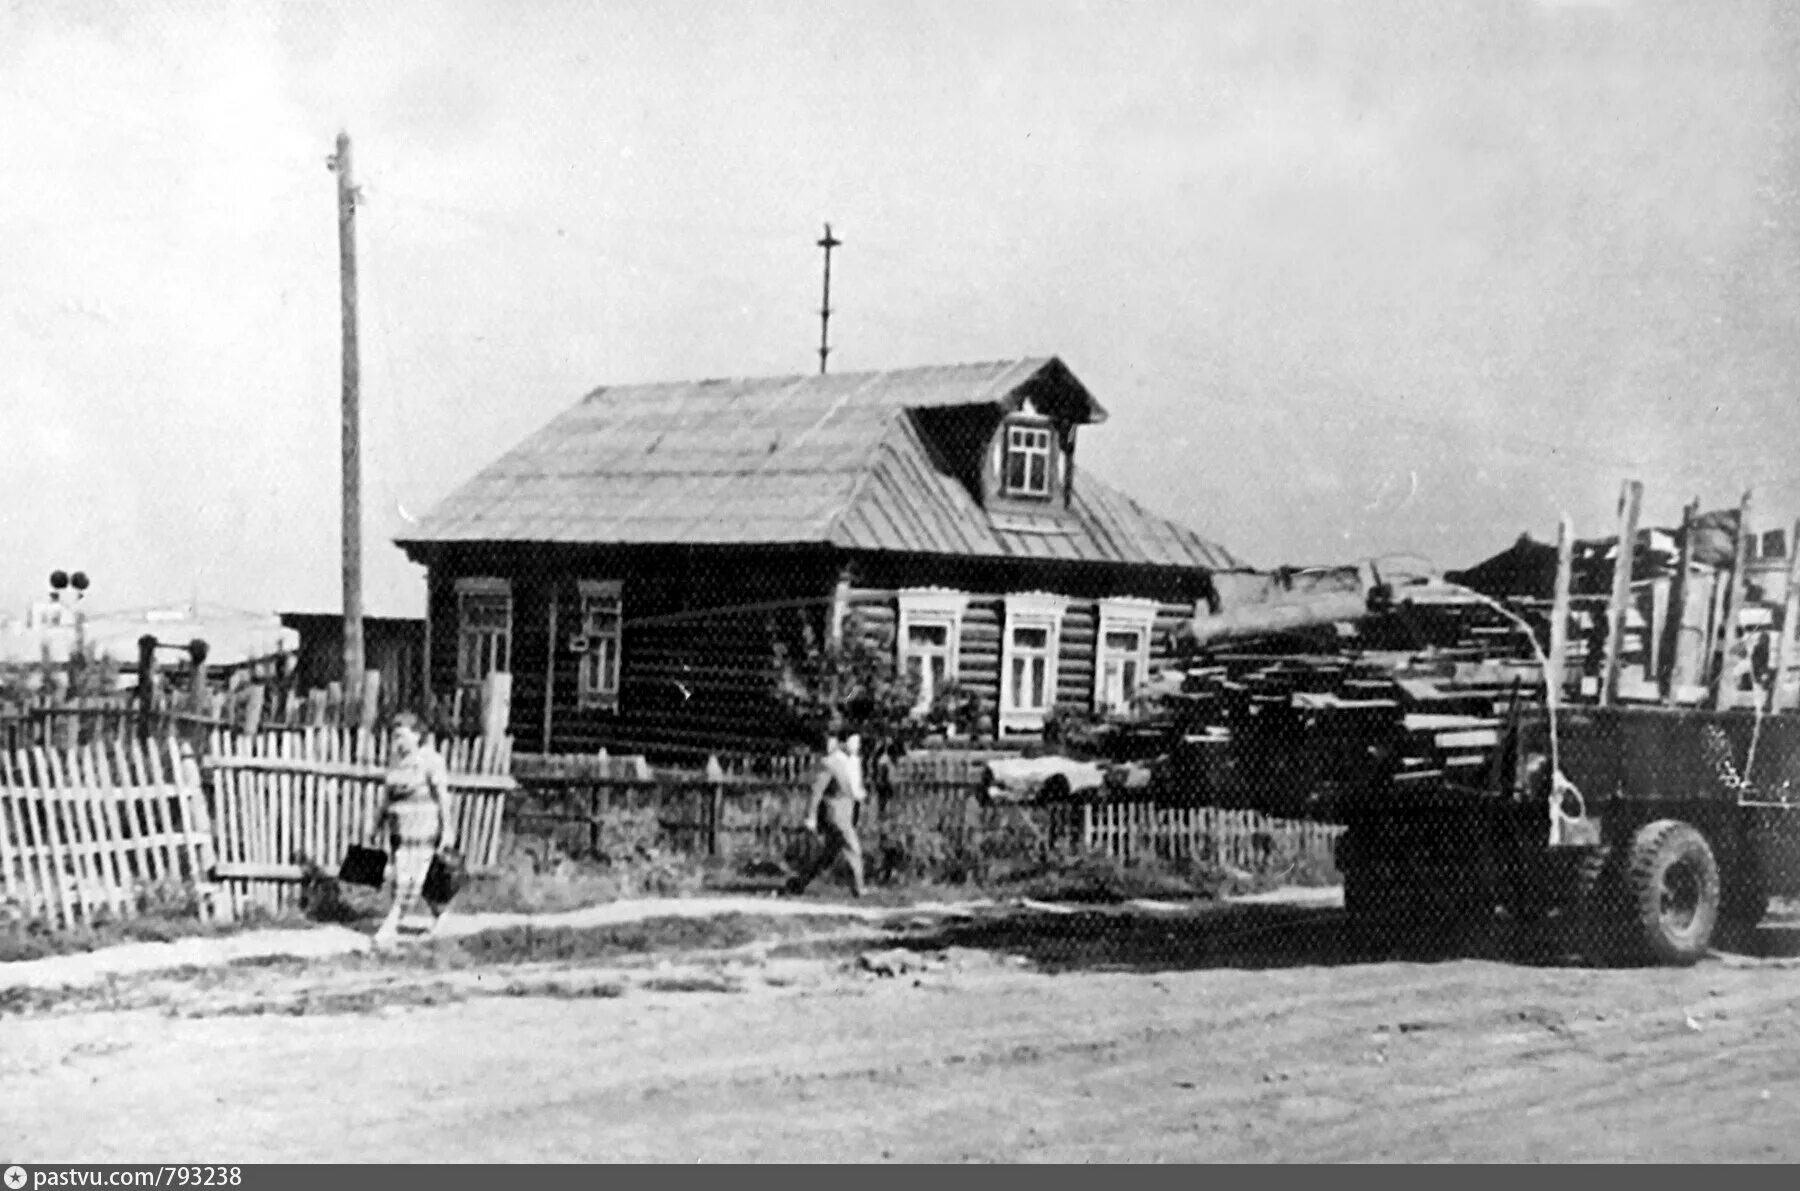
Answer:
(87, 834)
(288, 799)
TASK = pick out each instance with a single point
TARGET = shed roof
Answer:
(834, 459)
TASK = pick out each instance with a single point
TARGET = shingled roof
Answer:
(835, 459)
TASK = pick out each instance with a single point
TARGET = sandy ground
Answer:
(999, 1032)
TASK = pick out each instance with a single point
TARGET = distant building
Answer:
(631, 562)
(394, 645)
(235, 638)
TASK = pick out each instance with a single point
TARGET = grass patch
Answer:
(603, 991)
(1102, 880)
(525, 944)
(22, 941)
(330, 1003)
(684, 984)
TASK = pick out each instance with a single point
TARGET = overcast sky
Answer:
(1352, 278)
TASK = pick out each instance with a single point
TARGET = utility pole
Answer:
(352, 445)
(828, 243)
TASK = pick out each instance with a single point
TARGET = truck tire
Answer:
(1674, 891)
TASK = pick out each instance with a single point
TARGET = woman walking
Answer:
(418, 821)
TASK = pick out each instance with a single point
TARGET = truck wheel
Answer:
(1674, 891)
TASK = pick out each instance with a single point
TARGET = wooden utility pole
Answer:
(352, 436)
(828, 243)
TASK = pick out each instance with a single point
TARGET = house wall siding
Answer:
(697, 647)
(696, 644)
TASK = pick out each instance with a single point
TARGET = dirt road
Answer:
(1235, 1033)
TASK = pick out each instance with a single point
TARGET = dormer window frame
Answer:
(1030, 438)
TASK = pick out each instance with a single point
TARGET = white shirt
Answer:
(842, 772)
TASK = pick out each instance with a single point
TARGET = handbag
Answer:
(363, 866)
(445, 878)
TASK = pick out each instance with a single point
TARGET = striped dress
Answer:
(414, 786)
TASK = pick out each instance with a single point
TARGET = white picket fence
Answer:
(1241, 839)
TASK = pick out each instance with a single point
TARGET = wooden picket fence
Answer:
(287, 799)
(87, 834)
(723, 812)
(726, 808)
(1241, 839)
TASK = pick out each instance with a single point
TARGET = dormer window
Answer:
(1025, 469)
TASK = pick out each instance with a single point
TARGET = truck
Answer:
(1659, 829)
(1659, 811)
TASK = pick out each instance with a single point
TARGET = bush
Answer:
(1006, 842)
(1108, 880)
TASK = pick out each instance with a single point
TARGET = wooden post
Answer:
(199, 701)
(370, 710)
(715, 819)
(593, 821)
(1558, 660)
(146, 684)
(840, 609)
(550, 652)
(351, 420)
(426, 695)
(496, 706)
(1655, 631)
(1671, 673)
(1630, 500)
(715, 774)
(253, 708)
(1790, 623)
(1725, 685)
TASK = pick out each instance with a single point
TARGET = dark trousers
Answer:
(837, 828)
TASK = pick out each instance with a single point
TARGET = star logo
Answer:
(15, 1177)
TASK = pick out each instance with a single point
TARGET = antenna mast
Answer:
(828, 243)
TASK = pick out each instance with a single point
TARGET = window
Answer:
(930, 629)
(600, 637)
(1122, 653)
(1026, 462)
(1028, 649)
(484, 629)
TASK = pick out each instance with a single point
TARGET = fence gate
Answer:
(88, 834)
(286, 800)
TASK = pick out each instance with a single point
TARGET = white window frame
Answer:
(930, 607)
(1126, 615)
(1044, 449)
(597, 677)
(1031, 610)
(471, 641)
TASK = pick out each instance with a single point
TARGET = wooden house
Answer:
(628, 561)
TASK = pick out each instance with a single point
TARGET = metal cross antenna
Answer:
(828, 243)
